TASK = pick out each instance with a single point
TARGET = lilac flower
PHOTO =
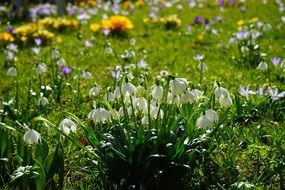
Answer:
(275, 60)
(198, 19)
(198, 57)
(232, 2)
(221, 3)
(243, 9)
(65, 70)
(10, 29)
(88, 43)
(152, 15)
(274, 94)
(260, 91)
(116, 73)
(142, 64)
(244, 91)
(38, 41)
(106, 32)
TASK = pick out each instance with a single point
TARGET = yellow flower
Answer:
(7, 37)
(24, 38)
(254, 19)
(127, 5)
(200, 38)
(240, 22)
(95, 27)
(171, 21)
(139, 3)
(117, 24)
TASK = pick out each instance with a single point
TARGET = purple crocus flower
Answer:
(88, 43)
(198, 19)
(116, 74)
(232, 2)
(275, 60)
(221, 3)
(106, 31)
(65, 70)
(198, 57)
(244, 91)
(10, 29)
(243, 9)
(38, 41)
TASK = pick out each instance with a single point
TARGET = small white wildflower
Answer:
(67, 126)
(32, 137)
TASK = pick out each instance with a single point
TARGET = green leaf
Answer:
(42, 150)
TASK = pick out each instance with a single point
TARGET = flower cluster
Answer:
(113, 25)
(170, 22)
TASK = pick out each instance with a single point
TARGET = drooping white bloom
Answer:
(178, 85)
(157, 92)
(128, 89)
(67, 126)
(225, 101)
(94, 91)
(220, 91)
(43, 101)
(86, 75)
(99, 115)
(155, 112)
(141, 104)
(32, 136)
(192, 95)
(208, 119)
(173, 99)
(41, 69)
(55, 54)
(202, 66)
(262, 66)
(60, 62)
(12, 72)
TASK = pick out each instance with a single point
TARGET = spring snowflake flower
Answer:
(178, 85)
(99, 115)
(128, 89)
(43, 101)
(12, 72)
(67, 126)
(55, 55)
(225, 101)
(141, 104)
(220, 91)
(41, 69)
(32, 137)
(262, 66)
(207, 120)
(157, 92)
(94, 91)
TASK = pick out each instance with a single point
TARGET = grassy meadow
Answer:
(185, 94)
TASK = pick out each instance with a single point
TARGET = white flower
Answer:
(55, 54)
(94, 91)
(207, 120)
(154, 112)
(173, 99)
(36, 50)
(178, 85)
(262, 66)
(99, 115)
(110, 96)
(225, 101)
(43, 101)
(192, 95)
(141, 103)
(86, 75)
(67, 125)
(60, 62)
(220, 91)
(202, 66)
(128, 89)
(12, 72)
(204, 122)
(32, 136)
(157, 92)
(41, 69)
